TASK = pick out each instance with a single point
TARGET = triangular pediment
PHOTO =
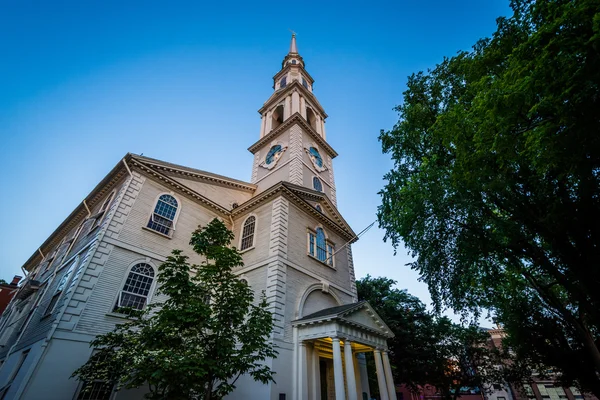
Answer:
(360, 315)
(331, 211)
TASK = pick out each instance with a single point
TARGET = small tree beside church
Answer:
(200, 340)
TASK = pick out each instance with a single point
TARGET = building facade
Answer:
(295, 246)
(7, 291)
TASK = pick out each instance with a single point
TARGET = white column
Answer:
(364, 379)
(315, 388)
(389, 379)
(318, 125)
(350, 376)
(302, 381)
(323, 128)
(269, 124)
(295, 364)
(303, 107)
(295, 102)
(338, 372)
(383, 391)
(357, 376)
(288, 107)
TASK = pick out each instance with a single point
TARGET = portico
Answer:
(329, 353)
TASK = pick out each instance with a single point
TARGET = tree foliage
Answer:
(430, 350)
(198, 342)
(495, 187)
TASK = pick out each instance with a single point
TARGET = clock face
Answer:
(274, 154)
(316, 157)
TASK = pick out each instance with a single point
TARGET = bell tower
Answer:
(292, 146)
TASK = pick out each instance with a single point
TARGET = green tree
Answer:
(495, 188)
(196, 344)
(429, 350)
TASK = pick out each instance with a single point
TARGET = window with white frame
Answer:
(319, 247)
(317, 185)
(103, 208)
(59, 289)
(248, 230)
(163, 218)
(136, 289)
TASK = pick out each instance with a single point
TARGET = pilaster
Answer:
(296, 155)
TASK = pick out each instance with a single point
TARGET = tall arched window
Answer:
(319, 247)
(317, 185)
(163, 217)
(137, 287)
(248, 233)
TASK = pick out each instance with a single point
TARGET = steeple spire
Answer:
(293, 48)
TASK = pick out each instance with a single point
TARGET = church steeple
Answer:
(293, 48)
(292, 145)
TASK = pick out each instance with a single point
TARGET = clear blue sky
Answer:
(83, 83)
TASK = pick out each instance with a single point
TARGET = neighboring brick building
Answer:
(7, 291)
(540, 389)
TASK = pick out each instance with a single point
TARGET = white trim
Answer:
(284, 147)
(328, 242)
(150, 295)
(253, 234)
(308, 291)
(175, 218)
(307, 150)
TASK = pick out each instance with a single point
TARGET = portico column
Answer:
(388, 376)
(383, 391)
(315, 389)
(350, 376)
(338, 372)
(302, 381)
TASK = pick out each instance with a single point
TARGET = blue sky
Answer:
(83, 83)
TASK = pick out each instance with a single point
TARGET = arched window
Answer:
(248, 233)
(317, 185)
(137, 287)
(283, 82)
(318, 207)
(319, 247)
(163, 217)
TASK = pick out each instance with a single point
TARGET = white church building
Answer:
(295, 245)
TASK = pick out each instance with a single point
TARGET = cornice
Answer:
(205, 176)
(319, 196)
(295, 118)
(287, 67)
(147, 170)
(281, 190)
(294, 85)
(79, 214)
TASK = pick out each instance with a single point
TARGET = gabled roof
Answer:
(196, 173)
(290, 192)
(310, 194)
(359, 314)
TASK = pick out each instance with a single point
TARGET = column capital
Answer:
(335, 339)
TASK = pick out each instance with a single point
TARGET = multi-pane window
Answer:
(283, 82)
(319, 247)
(137, 287)
(59, 288)
(317, 185)
(248, 233)
(97, 390)
(163, 217)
